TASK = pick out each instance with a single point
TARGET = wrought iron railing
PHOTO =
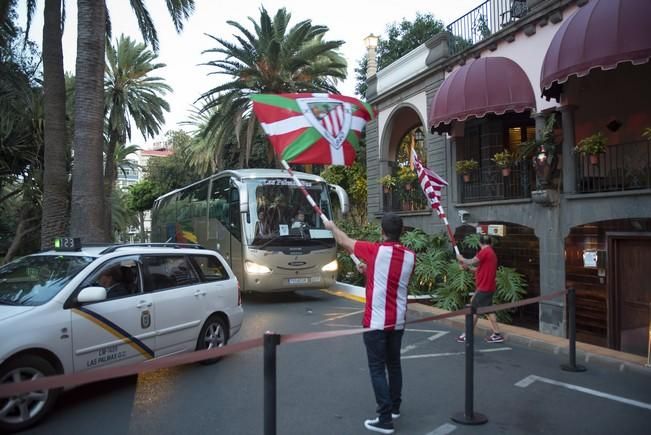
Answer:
(489, 184)
(622, 167)
(481, 22)
(404, 196)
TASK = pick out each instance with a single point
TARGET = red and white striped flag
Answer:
(431, 184)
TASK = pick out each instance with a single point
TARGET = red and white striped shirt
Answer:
(389, 268)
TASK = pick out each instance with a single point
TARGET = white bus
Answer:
(253, 218)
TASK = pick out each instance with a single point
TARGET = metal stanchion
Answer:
(648, 352)
(571, 314)
(271, 340)
(470, 417)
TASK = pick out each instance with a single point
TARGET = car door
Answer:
(117, 330)
(172, 284)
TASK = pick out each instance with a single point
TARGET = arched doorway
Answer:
(399, 183)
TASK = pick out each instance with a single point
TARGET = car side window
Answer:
(119, 277)
(210, 268)
(167, 271)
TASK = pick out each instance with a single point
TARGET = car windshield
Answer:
(36, 279)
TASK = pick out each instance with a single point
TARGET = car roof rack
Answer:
(114, 248)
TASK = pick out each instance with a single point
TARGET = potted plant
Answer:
(406, 177)
(504, 160)
(388, 182)
(465, 166)
(592, 146)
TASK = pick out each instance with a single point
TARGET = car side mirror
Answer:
(91, 294)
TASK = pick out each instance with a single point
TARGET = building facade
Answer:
(534, 78)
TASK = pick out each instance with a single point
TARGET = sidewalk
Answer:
(585, 353)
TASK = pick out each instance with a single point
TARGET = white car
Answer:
(67, 312)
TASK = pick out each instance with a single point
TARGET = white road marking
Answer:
(338, 317)
(433, 355)
(524, 383)
(444, 429)
(438, 334)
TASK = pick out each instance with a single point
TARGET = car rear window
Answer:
(210, 268)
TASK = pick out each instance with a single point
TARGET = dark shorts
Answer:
(482, 299)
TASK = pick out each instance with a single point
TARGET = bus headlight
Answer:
(330, 267)
(256, 269)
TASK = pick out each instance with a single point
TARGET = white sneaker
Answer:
(377, 419)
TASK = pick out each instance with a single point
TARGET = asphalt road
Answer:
(324, 387)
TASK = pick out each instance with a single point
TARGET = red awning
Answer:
(487, 85)
(601, 34)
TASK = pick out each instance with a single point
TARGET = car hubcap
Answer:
(18, 409)
(214, 336)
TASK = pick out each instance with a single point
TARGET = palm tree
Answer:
(131, 93)
(88, 197)
(55, 174)
(272, 59)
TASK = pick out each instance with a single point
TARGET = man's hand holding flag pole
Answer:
(432, 185)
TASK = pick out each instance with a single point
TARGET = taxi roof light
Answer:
(67, 244)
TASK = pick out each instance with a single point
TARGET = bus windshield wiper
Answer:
(268, 242)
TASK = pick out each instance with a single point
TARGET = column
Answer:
(552, 270)
(569, 156)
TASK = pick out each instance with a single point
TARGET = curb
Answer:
(585, 353)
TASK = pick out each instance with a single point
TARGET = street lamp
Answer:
(371, 44)
(417, 137)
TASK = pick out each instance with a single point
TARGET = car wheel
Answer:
(22, 411)
(213, 334)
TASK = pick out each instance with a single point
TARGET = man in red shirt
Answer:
(388, 268)
(485, 272)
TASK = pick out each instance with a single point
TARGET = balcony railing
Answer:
(483, 21)
(622, 167)
(488, 184)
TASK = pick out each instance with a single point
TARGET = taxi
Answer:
(78, 308)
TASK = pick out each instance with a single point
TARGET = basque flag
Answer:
(313, 128)
(431, 184)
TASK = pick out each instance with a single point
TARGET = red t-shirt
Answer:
(485, 274)
(388, 268)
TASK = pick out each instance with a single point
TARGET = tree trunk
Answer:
(141, 219)
(55, 174)
(110, 177)
(87, 190)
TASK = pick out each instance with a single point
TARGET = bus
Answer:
(261, 223)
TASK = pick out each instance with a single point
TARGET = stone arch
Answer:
(402, 119)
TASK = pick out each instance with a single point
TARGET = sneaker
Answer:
(375, 426)
(496, 337)
(377, 419)
(461, 338)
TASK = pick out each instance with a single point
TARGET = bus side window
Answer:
(235, 226)
(219, 202)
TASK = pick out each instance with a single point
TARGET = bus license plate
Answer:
(298, 280)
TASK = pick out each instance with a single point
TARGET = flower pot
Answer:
(408, 186)
(386, 189)
(506, 172)
(594, 159)
(466, 178)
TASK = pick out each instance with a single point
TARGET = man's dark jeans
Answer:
(383, 351)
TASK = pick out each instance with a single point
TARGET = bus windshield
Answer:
(280, 213)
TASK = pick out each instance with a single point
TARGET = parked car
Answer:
(79, 308)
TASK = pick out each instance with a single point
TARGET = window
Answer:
(210, 268)
(119, 277)
(163, 272)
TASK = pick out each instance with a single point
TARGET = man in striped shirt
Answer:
(388, 268)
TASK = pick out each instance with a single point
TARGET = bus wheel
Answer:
(213, 334)
(24, 410)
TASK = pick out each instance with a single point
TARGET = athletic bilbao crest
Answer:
(331, 118)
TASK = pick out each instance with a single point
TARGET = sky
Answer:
(348, 20)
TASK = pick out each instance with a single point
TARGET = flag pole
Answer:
(450, 234)
(309, 198)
